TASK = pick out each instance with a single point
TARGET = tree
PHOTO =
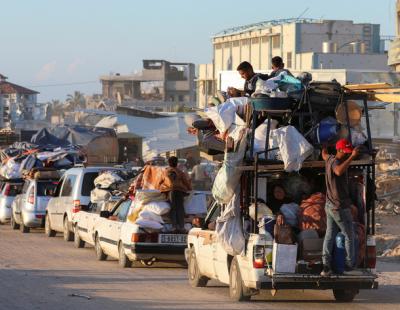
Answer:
(76, 100)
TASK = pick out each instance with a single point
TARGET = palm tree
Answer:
(76, 100)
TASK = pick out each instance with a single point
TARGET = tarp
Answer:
(159, 135)
(65, 136)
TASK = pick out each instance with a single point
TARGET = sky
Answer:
(45, 43)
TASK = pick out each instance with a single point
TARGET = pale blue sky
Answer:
(64, 41)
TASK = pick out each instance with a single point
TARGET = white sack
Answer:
(262, 211)
(106, 179)
(291, 212)
(229, 227)
(196, 203)
(293, 147)
(148, 224)
(150, 216)
(260, 138)
(224, 114)
(11, 170)
(97, 195)
(357, 136)
(229, 174)
(158, 207)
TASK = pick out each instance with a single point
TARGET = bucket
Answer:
(327, 130)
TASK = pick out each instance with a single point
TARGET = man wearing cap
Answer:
(338, 202)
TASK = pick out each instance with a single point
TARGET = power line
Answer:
(64, 84)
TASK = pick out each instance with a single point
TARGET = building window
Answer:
(245, 42)
(218, 46)
(236, 43)
(181, 98)
(255, 40)
(209, 88)
(227, 45)
(264, 39)
(276, 41)
(289, 60)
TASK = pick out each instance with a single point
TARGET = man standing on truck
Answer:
(338, 202)
(175, 183)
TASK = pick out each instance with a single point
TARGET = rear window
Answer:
(46, 188)
(12, 189)
(88, 183)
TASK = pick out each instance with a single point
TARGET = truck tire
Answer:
(78, 242)
(194, 275)
(237, 290)
(123, 260)
(344, 295)
(14, 224)
(100, 255)
(68, 235)
(47, 227)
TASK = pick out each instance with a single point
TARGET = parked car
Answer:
(9, 189)
(120, 238)
(72, 195)
(85, 220)
(29, 207)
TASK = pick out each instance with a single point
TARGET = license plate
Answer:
(172, 238)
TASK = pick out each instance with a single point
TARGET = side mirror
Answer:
(105, 214)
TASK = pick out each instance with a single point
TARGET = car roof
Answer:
(78, 170)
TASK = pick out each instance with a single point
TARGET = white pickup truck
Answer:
(247, 274)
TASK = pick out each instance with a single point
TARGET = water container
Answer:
(339, 254)
(327, 130)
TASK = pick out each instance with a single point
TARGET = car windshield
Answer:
(46, 188)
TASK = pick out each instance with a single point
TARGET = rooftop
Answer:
(11, 88)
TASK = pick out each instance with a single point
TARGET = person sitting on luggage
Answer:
(278, 67)
(279, 198)
(176, 185)
(338, 203)
(246, 71)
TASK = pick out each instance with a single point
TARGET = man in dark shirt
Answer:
(338, 202)
(246, 71)
(278, 67)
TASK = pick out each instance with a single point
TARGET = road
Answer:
(37, 272)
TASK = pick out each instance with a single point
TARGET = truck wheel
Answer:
(14, 225)
(344, 295)
(47, 227)
(195, 277)
(78, 242)
(100, 255)
(24, 229)
(237, 290)
(68, 235)
(123, 260)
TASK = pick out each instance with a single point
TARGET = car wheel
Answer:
(14, 225)
(68, 235)
(123, 260)
(237, 290)
(47, 227)
(344, 295)
(78, 242)
(194, 275)
(24, 229)
(100, 255)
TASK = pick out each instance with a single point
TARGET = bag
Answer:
(283, 234)
(147, 196)
(312, 214)
(148, 224)
(98, 195)
(150, 216)
(158, 207)
(290, 211)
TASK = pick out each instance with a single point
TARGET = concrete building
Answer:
(304, 45)
(160, 82)
(17, 103)
(394, 50)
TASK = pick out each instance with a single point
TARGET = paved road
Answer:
(37, 272)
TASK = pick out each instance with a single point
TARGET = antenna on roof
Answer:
(302, 13)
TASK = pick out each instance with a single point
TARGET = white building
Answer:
(303, 44)
(17, 103)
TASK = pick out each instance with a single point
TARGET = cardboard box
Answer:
(284, 258)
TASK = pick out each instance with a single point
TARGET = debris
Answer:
(80, 295)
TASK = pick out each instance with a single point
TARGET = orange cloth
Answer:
(174, 179)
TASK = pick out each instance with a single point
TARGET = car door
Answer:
(54, 202)
(65, 202)
(92, 216)
(112, 230)
(19, 201)
(206, 241)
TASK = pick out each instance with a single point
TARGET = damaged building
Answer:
(160, 85)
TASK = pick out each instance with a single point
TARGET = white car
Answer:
(119, 238)
(9, 189)
(72, 195)
(247, 274)
(85, 221)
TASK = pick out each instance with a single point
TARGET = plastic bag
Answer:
(158, 207)
(106, 179)
(98, 195)
(147, 196)
(260, 136)
(229, 228)
(148, 224)
(290, 211)
(262, 211)
(151, 216)
(293, 147)
(229, 174)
